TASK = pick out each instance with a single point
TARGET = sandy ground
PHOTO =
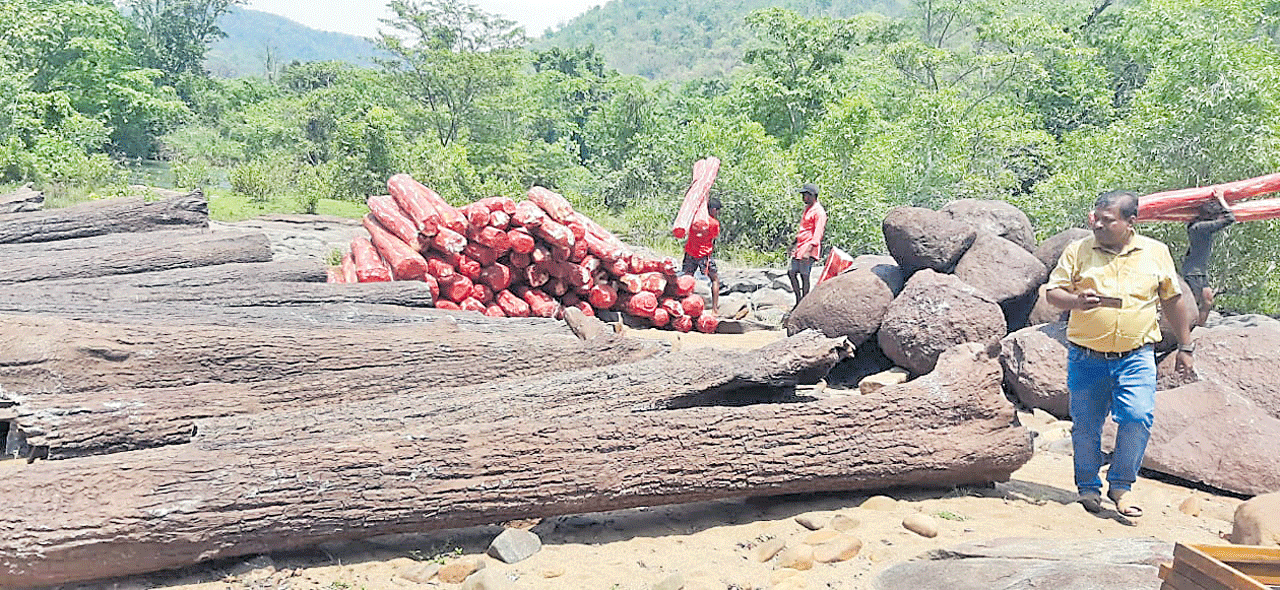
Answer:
(714, 545)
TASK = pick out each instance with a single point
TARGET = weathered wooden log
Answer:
(287, 271)
(54, 356)
(117, 254)
(131, 214)
(161, 508)
(53, 297)
(389, 397)
(22, 200)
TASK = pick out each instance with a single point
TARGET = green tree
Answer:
(179, 32)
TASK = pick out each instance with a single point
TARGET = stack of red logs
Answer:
(508, 259)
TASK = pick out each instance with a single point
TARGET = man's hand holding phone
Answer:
(1090, 299)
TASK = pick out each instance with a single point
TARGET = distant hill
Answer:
(253, 35)
(682, 39)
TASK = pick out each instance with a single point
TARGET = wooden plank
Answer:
(1226, 576)
(1196, 577)
(1259, 563)
(1177, 580)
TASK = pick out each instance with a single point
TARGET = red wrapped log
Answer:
(693, 305)
(528, 215)
(420, 210)
(468, 267)
(695, 199)
(660, 317)
(591, 264)
(672, 306)
(499, 219)
(482, 293)
(349, 269)
(602, 296)
(492, 237)
(477, 215)
(497, 277)
(433, 285)
(837, 262)
(580, 251)
(447, 240)
(1258, 210)
(682, 323)
(541, 304)
(708, 322)
(512, 305)
(683, 286)
(641, 304)
(560, 253)
(534, 276)
(619, 267)
(556, 206)
(449, 216)
(586, 308)
(1157, 204)
(577, 227)
(485, 256)
(369, 266)
(556, 234)
(540, 255)
(631, 283)
(575, 275)
(519, 260)
(456, 288)
(555, 287)
(495, 311)
(405, 262)
(388, 213)
(470, 304)
(446, 304)
(521, 240)
(333, 274)
(653, 282)
(506, 205)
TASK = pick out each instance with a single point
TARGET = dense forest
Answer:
(1041, 103)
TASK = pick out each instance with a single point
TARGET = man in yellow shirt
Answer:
(1112, 282)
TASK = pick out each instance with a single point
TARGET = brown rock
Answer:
(766, 550)
(933, 313)
(884, 267)
(922, 238)
(1050, 250)
(418, 573)
(812, 522)
(1043, 312)
(843, 523)
(850, 305)
(485, 580)
(879, 504)
(997, 218)
(1257, 521)
(1034, 360)
(456, 572)
(873, 383)
(841, 548)
(1000, 269)
(820, 537)
(799, 557)
(1242, 359)
(921, 524)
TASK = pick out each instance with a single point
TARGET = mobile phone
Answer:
(1105, 301)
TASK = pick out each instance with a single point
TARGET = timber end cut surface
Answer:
(1222, 567)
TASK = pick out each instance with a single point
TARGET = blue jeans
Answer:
(1125, 388)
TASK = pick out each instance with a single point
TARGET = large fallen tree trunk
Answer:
(22, 200)
(132, 214)
(107, 516)
(118, 254)
(53, 356)
(55, 299)
(300, 271)
(389, 398)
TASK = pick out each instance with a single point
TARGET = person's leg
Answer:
(714, 275)
(794, 274)
(1090, 385)
(690, 264)
(1206, 305)
(1133, 408)
(804, 278)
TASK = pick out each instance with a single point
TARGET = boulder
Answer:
(1035, 367)
(933, 313)
(1207, 433)
(923, 238)
(21, 200)
(1257, 521)
(1241, 359)
(1000, 269)
(850, 304)
(1043, 312)
(1050, 250)
(995, 217)
(885, 267)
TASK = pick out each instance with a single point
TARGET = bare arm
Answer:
(1064, 299)
(1180, 321)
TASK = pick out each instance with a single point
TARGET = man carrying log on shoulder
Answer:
(808, 248)
(699, 248)
(1212, 217)
(1112, 282)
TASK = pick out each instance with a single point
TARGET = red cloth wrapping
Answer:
(555, 205)
(388, 213)
(369, 266)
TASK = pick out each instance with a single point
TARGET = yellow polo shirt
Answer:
(1141, 275)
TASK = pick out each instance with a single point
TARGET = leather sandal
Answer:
(1092, 503)
(1124, 506)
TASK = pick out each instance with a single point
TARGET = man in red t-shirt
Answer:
(808, 248)
(698, 250)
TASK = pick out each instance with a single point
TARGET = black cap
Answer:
(810, 188)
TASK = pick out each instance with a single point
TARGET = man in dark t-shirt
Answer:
(698, 250)
(1212, 217)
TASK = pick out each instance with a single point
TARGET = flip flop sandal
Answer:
(1092, 504)
(1125, 506)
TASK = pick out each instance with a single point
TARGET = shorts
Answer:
(801, 265)
(1197, 282)
(706, 265)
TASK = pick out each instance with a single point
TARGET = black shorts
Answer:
(801, 265)
(1197, 282)
(706, 265)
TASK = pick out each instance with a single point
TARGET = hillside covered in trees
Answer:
(1041, 103)
(260, 43)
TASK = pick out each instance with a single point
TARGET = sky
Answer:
(360, 17)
